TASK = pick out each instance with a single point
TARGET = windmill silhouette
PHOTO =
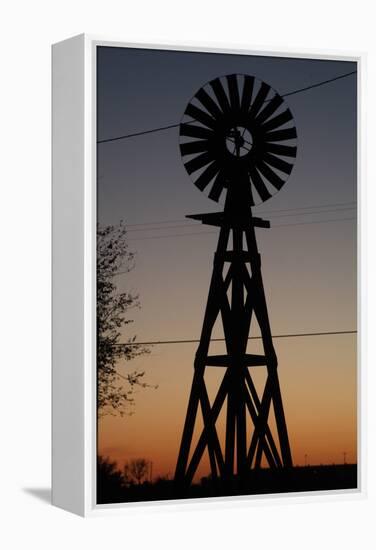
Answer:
(237, 140)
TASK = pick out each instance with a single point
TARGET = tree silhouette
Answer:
(136, 470)
(114, 391)
(110, 481)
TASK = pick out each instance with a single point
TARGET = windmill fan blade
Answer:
(270, 108)
(207, 175)
(200, 116)
(220, 95)
(217, 188)
(284, 150)
(259, 100)
(209, 104)
(259, 184)
(193, 147)
(190, 130)
(270, 175)
(198, 162)
(282, 165)
(247, 93)
(281, 135)
(277, 121)
(233, 92)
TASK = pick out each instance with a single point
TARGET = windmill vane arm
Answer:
(220, 218)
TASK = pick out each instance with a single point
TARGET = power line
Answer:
(315, 221)
(195, 341)
(308, 207)
(273, 216)
(319, 84)
(261, 213)
(214, 232)
(162, 128)
(139, 133)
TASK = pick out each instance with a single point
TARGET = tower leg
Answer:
(261, 313)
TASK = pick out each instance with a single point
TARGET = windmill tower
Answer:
(238, 140)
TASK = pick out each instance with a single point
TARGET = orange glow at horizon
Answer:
(319, 396)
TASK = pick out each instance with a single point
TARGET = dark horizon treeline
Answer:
(115, 485)
(133, 484)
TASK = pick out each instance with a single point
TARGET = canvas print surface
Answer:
(226, 275)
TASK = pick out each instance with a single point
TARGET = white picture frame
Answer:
(74, 271)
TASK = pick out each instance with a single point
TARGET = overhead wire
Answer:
(260, 213)
(214, 232)
(169, 126)
(181, 226)
(195, 340)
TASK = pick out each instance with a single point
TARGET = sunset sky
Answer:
(308, 255)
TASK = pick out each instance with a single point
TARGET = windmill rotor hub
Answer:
(239, 141)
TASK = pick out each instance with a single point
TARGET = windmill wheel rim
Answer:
(233, 124)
